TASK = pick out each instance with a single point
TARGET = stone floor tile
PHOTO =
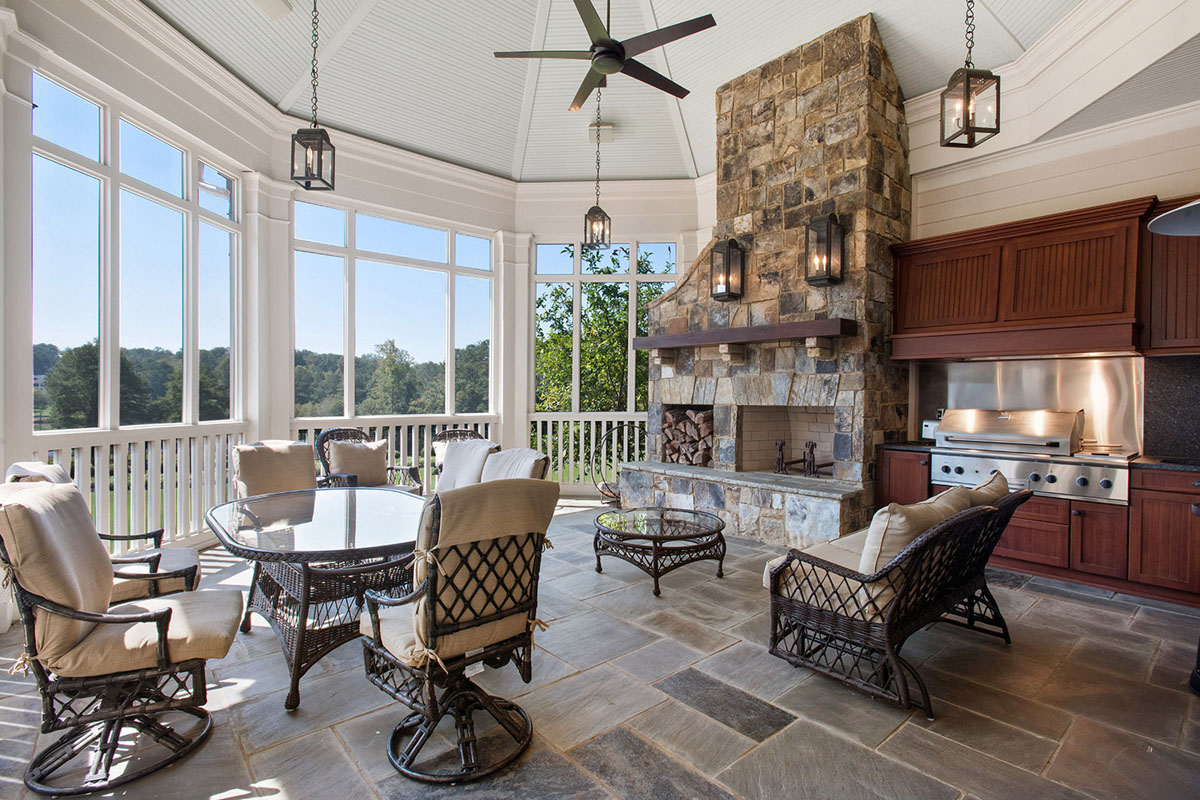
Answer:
(1030, 715)
(726, 704)
(366, 738)
(1077, 618)
(580, 706)
(217, 769)
(853, 714)
(756, 630)
(969, 770)
(685, 631)
(693, 737)
(586, 640)
(733, 597)
(506, 682)
(752, 669)
(585, 583)
(1005, 578)
(1005, 742)
(1131, 705)
(1173, 665)
(630, 602)
(312, 766)
(1189, 740)
(554, 605)
(657, 660)
(1189, 611)
(553, 567)
(1128, 662)
(1013, 603)
(635, 768)
(233, 684)
(1001, 668)
(808, 762)
(1068, 589)
(1105, 762)
(1166, 625)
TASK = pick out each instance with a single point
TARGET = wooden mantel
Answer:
(836, 326)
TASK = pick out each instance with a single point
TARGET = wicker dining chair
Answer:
(401, 477)
(445, 437)
(475, 575)
(174, 569)
(104, 673)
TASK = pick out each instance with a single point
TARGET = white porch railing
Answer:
(410, 437)
(570, 439)
(144, 478)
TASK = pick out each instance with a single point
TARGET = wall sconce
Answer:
(728, 267)
(823, 251)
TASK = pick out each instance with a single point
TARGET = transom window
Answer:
(589, 305)
(140, 331)
(391, 317)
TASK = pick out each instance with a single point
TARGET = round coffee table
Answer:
(658, 540)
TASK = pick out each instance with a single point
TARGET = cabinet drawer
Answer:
(1039, 542)
(1045, 509)
(1166, 480)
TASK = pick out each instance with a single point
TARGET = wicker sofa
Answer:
(832, 616)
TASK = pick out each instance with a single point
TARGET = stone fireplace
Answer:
(818, 131)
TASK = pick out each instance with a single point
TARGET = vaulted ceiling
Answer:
(420, 74)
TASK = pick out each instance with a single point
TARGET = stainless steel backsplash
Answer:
(1109, 390)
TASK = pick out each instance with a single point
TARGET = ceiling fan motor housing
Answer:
(608, 57)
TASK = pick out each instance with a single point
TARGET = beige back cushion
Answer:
(518, 508)
(463, 463)
(56, 554)
(520, 462)
(990, 491)
(273, 466)
(894, 526)
(36, 471)
(367, 460)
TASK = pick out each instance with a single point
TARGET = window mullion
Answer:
(349, 322)
(191, 321)
(451, 343)
(109, 350)
(576, 321)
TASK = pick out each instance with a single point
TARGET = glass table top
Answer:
(660, 523)
(361, 522)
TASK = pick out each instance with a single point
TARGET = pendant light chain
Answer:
(597, 146)
(316, 19)
(970, 23)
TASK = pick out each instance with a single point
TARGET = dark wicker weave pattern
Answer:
(658, 540)
(409, 476)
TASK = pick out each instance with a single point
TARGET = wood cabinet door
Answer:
(1100, 538)
(1164, 540)
(947, 288)
(1074, 274)
(1175, 293)
(901, 476)
(1039, 542)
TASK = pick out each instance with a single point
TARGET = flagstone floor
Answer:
(675, 697)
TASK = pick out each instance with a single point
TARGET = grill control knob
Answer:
(1051, 479)
(1081, 481)
(958, 470)
(1034, 477)
(945, 468)
(1106, 484)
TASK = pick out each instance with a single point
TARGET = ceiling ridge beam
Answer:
(675, 109)
(532, 73)
(327, 52)
(1009, 43)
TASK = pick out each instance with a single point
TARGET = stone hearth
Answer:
(815, 132)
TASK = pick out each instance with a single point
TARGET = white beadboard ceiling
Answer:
(419, 74)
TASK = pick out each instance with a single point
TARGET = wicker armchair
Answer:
(445, 437)
(104, 673)
(407, 478)
(475, 571)
(152, 572)
(835, 620)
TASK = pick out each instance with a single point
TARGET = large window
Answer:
(173, 220)
(415, 319)
(588, 306)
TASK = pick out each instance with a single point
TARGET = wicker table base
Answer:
(658, 540)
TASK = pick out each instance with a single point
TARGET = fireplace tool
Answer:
(810, 468)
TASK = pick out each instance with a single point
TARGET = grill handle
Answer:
(1020, 442)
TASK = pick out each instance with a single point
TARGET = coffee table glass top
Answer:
(359, 522)
(663, 524)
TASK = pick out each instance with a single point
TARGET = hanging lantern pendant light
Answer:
(597, 226)
(971, 100)
(312, 152)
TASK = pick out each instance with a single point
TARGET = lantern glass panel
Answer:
(597, 228)
(970, 108)
(720, 271)
(312, 159)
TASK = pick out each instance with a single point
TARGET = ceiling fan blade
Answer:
(582, 55)
(591, 20)
(648, 41)
(636, 69)
(590, 82)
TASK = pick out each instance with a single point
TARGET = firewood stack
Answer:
(688, 436)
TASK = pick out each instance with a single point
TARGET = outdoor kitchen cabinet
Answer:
(901, 476)
(1100, 538)
(1164, 529)
(1172, 297)
(1040, 532)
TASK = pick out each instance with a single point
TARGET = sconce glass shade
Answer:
(312, 159)
(597, 228)
(977, 91)
(823, 251)
(728, 268)
(1182, 221)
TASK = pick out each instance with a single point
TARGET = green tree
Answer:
(393, 387)
(45, 356)
(471, 378)
(73, 388)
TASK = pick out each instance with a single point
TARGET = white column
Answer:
(514, 348)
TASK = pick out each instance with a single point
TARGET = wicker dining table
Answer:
(315, 552)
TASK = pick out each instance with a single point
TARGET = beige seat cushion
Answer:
(988, 492)
(56, 554)
(520, 462)
(203, 625)
(173, 558)
(367, 460)
(845, 551)
(463, 463)
(398, 636)
(867, 602)
(273, 466)
(36, 471)
(895, 526)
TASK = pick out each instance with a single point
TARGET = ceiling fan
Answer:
(609, 56)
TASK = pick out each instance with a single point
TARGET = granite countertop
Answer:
(1180, 464)
(916, 447)
(797, 484)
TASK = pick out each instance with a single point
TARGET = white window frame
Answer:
(112, 181)
(350, 254)
(576, 280)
